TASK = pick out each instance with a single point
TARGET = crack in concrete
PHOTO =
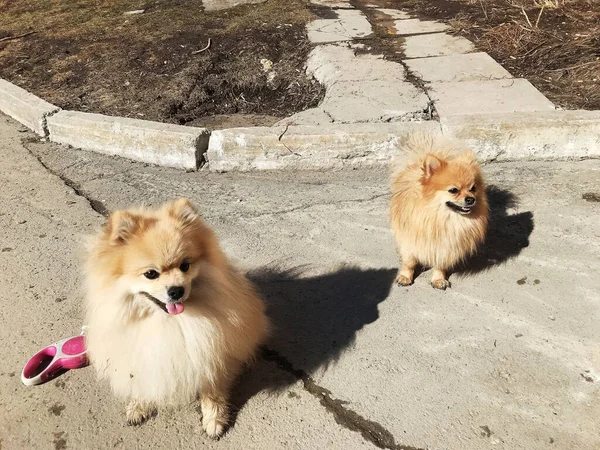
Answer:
(305, 207)
(95, 204)
(418, 82)
(45, 122)
(371, 431)
(429, 109)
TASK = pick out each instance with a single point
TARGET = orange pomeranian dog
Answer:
(170, 320)
(439, 209)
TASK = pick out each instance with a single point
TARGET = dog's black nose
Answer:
(175, 292)
(469, 200)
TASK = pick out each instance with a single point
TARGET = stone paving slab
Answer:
(394, 13)
(332, 63)
(312, 116)
(348, 25)
(416, 26)
(467, 67)
(493, 96)
(436, 44)
(345, 4)
(361, 88)
(370, 101)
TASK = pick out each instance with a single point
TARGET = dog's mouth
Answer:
(172, 308)
(460, 209)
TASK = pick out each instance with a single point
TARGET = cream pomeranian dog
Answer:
(170, 320)
(439, 208)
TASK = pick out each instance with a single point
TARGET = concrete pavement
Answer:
(509, 358)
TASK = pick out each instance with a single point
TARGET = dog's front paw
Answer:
(440, 284)
(403, 281)
(214, 428)
(137, 413)
(214, 416)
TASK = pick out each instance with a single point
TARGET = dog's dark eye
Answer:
(474, 188)
(185, 266)
(151, 274)
(453, 190)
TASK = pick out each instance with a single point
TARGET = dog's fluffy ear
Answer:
(430, 165)
(121, 226)
(468, 156)
(182, 209)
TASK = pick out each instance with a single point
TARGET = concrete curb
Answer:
(308, 147)
(542, 135)
(157, 143)
(25, 108)
(548, 135)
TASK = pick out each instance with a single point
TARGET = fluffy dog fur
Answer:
(157, 347)
(433, 223)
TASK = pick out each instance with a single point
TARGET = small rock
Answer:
(267, 64)
(587, 377)
(485, 431)
(135, 11)
(591, 196)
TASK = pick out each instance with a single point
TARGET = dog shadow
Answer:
(314, 318)
(506, 237)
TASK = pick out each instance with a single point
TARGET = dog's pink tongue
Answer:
(175, 308)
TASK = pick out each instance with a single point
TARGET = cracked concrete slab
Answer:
(330, 64)
(344, 4)
(507, 358)
(377, 100)
(312, 116)
(393, 13)
(435, 44)
(467, 67)
(359, 88)
(417, 26)
(348, 25)
(493, 96)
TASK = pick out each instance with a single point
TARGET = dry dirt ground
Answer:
(92, 56)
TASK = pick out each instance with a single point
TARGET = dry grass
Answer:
(555, 44)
